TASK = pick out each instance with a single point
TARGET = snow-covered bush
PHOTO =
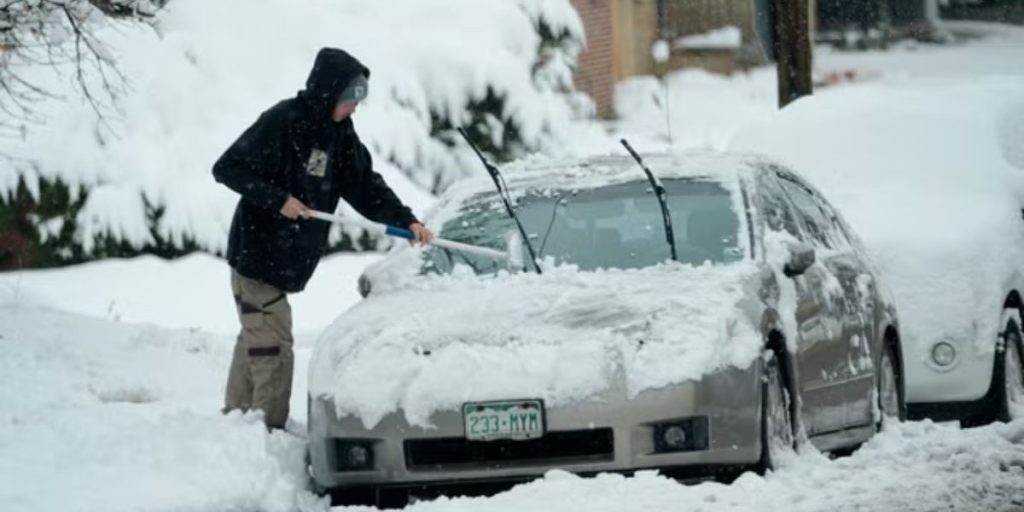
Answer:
(200, 72)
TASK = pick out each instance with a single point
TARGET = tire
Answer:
(1013, 388)
(1008, 396)
(777, 434)
(891, 403)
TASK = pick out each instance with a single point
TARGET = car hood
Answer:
(562, 336)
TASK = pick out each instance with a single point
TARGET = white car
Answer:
(929, 176)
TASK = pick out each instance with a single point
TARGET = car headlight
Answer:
(688, 434)
(944, 354)
(353, 455)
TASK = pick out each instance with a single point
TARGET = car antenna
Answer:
(499, 183)
(659, 192)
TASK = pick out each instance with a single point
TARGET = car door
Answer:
(844, 317)
(861, 326)
(822, 398)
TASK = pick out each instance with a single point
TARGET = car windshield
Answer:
(616, 226)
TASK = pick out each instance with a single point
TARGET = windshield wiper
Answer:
(499, 183)
(659, 192)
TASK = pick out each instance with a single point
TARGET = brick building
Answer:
(595, 73)
(621, 33)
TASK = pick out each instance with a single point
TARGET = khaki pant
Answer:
(261, 369)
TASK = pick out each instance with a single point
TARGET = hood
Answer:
(332, 70)
(564, 336)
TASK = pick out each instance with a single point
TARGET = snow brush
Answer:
(513, 256)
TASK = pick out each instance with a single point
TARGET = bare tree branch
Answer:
(80, 38)
(125, 8)
(61, 34)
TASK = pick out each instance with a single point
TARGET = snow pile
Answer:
(208, 70)
(919, 172)
(125, 418)
(562, 336)
(192, 292)
(704, 109)
(914, 467)
(724, 38)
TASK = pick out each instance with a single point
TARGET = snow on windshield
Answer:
(617, 226)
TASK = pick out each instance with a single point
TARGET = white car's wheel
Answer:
(1013, 374)
(777, 437)
(1007, 392)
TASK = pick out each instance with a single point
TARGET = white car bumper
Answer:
(967, 379)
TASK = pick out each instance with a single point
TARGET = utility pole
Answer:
(792, 49)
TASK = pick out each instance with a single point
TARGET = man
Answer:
(302, 153)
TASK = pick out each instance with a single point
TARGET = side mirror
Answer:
(801, 257)
(364, 285)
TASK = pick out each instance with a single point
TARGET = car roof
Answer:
(543, 173)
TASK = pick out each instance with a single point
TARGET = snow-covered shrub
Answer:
(201, 72)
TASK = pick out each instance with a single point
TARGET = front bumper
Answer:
(618, 431)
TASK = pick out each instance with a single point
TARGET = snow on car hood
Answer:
(562, 336)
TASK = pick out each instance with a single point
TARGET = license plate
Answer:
(514, 419)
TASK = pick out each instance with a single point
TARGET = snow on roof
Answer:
(541, 172)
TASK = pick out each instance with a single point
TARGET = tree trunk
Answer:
(792, 50)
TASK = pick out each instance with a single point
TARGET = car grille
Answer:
(454, 452)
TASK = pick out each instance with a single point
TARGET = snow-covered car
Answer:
(932, 177)
(608, 356)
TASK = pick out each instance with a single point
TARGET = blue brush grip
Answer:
(399, 232)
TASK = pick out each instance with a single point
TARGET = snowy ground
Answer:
(113, 372)
(707, 110)
(108, 415)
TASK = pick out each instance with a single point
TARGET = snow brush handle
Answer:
(399, 232)
(384, 229)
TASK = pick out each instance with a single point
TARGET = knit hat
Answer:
(355, 91)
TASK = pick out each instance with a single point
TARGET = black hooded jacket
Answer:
(295, 148)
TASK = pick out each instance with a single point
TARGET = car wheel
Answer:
(1010, 396)
(777, 438)
(891, 406)
(1007, 391)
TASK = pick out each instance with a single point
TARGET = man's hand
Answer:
(423, 235)
(293, 208)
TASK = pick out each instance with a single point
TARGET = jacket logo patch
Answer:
(317, 164)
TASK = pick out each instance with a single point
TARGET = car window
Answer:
(820, 228)
(614, 226)
(776, 208)
(837, 229)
